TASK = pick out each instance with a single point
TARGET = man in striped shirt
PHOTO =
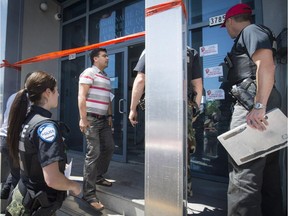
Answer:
(95, 123)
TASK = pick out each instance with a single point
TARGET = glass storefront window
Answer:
(116, 73)
(249, 2)
(201, 11)
(74, 34)
(93, 4)
(210, 156)
(134, 18)
(102, 26)
(210, 8)
(71, 70)
(195, 11)
(74, 10)
(117, 21)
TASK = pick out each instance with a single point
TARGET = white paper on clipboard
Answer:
(68, 169)
(245, 144)
(111, 96)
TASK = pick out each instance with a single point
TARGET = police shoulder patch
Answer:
(47, 132)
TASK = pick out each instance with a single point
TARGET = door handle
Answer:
(121, 102)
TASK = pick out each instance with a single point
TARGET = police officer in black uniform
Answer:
(254, 187)
(39, 150)
(195, 88)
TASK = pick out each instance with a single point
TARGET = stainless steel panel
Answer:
(165, 129)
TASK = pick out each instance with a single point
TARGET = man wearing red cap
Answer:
(254, 187)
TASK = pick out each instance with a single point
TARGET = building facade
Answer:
(29, 30)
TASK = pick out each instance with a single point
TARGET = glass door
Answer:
(213, 43)
(135, 135)
(117, 71)
(69, 112)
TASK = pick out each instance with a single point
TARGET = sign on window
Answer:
(216, 20)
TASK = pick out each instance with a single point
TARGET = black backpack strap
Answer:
(271, 36)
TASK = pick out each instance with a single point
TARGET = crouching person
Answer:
(39, 150)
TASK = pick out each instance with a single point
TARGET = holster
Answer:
(47, 211)
(39, 204)
(46, 207)
(245, 92)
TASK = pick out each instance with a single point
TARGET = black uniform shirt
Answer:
(140, 66)
(46, 141)
(194, 72)
(253, 37)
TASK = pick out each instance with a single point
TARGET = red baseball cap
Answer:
(236, 10)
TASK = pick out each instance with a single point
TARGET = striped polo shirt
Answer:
(98, 97)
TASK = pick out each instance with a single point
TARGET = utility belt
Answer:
(191, 103)
(38, 203)
(245, 92)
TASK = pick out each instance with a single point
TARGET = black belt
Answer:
(96, 115)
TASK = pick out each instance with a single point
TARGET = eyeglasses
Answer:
(104, 55)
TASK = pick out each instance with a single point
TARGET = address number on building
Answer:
(216, 20)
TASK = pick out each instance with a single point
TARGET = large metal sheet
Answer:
(245, 144)
(165, 129)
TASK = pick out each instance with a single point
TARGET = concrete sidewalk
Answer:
(126, 196)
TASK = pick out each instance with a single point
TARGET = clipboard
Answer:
(245, 144)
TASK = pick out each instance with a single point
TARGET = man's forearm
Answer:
(82, 107)
(109, 111)
(137, 91)
(136, 95)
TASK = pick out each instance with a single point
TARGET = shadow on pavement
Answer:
(207, 212)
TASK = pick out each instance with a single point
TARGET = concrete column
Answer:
(165, 115)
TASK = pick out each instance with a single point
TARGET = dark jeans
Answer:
(100, 148)
(14, 172)
(254, 187)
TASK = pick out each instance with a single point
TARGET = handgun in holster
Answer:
(41, 206)
(245, 92)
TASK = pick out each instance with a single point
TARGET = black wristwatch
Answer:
(258, 106)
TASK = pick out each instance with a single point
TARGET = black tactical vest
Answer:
(28, 154)
(240, 63)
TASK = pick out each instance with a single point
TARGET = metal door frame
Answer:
(111, 51)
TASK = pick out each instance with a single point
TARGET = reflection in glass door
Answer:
(117, 73)
(210, 158)
(70, 70)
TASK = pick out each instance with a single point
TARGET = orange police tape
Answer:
(62, 53)
(58, 54)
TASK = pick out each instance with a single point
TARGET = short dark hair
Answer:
(242, 17)
(95, 53)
